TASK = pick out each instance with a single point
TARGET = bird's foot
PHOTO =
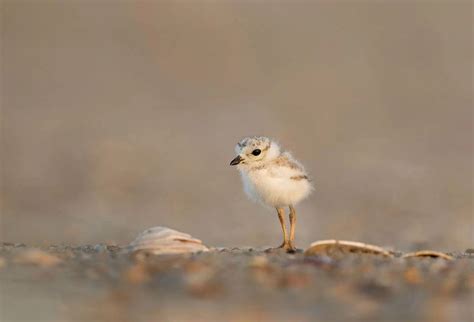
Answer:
(285, 246)
(289, 248)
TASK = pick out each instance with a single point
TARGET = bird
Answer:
(274, 179)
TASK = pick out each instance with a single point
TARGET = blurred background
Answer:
(122, 115)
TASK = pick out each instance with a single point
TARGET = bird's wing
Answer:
(286, 167)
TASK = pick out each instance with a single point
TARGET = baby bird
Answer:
(273, 178)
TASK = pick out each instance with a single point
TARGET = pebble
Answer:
(37, 257)
(100, 248)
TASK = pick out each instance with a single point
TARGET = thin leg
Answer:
(281, 216)
(292, 228)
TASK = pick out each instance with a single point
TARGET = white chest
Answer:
(274, 189)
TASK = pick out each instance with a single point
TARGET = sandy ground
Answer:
(101, 283)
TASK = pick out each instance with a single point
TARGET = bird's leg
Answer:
(291, 242)
(281, 216)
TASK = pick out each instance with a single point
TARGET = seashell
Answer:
(162, 240)
(332, 246)
(429, 253)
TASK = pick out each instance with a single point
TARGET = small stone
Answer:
(113, 248)
(296, 280)
(199, 280)
(218, 249)
(258, 262)
(37, 257)
(100, 248)
(413, 276)
(137, 274)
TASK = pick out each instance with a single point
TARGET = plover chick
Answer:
(273, 178)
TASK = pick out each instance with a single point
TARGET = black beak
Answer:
(236, 161)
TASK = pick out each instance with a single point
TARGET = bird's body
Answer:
(280, 182)
(272, 178)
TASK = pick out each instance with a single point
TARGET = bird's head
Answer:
(254, 150)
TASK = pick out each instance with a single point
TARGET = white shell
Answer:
(345, 246)
(428, 253)
(162, 240)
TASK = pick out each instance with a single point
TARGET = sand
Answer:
(102, 283)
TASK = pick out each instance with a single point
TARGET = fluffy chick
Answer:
(273, 178)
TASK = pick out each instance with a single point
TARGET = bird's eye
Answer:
(256, 152)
